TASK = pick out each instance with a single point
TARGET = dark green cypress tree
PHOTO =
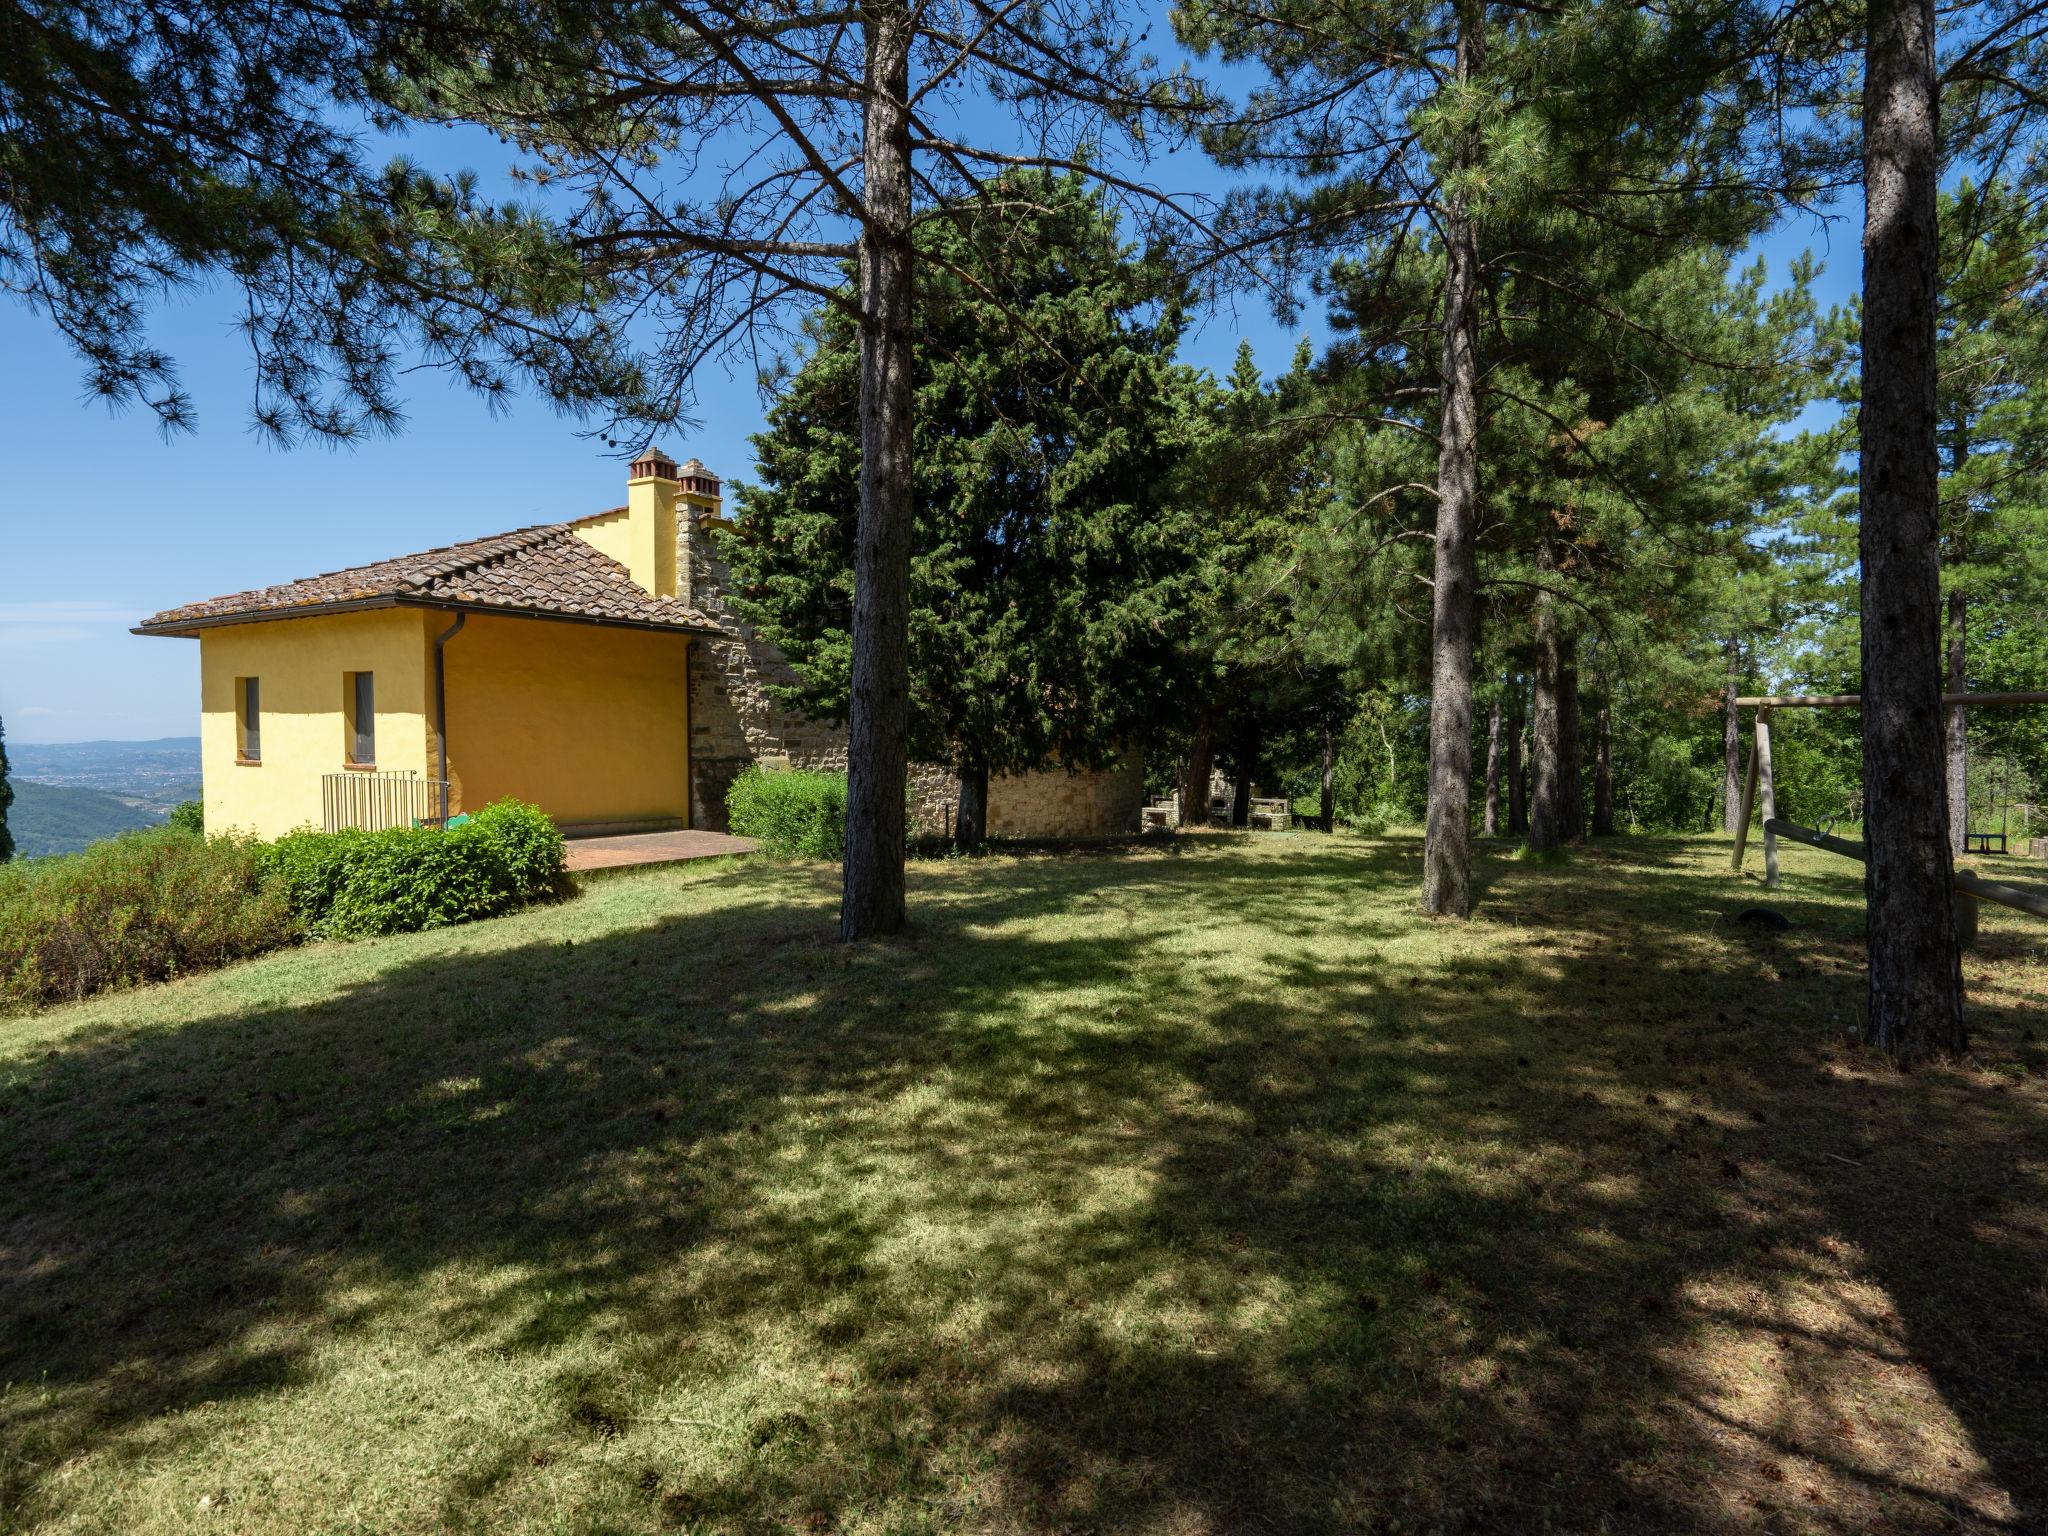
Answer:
(6, 800)
(1049, 564)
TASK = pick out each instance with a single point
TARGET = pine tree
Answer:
(1479, 122)
(145, 149)
(718, 168)
(1916, 982)
(1048, 553)
(1991, 406)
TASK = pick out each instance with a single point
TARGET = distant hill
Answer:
(58, 818)
(154, 775)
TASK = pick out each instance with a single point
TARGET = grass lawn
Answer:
(1198, 1188)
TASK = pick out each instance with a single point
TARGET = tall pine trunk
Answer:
(1194, 793)
(877, 767)
(1546, 745)
(1518, 787)
(1603, 775)
(1329, 803)
(1447, 834)
(1492, 814)
(1241, 799)
(970, 827)
(1571, 762)
(1916, 983)
(1731, 740)
(1957, 744)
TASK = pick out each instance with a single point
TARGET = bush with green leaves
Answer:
(531, 846)
(188, 816)
(792, 813)
(141, 907)
(356, 884)
(408, 878)
(150, 905)
(311, 868)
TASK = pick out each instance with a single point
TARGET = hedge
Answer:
(358, 884)
(141, 907)
(146, 906)
(792, 813)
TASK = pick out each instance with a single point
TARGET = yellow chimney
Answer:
(651, 522)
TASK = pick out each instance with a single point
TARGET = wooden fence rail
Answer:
(1970, 888)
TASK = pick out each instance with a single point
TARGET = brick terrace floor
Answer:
(652, 848)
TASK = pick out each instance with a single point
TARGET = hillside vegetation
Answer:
(54, 818)
(1200, 1188)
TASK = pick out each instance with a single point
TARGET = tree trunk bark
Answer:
(1241, 799)
(1329, 804)
(1447, 834)
(1571, 772)
(1603, 774)
(971, 826)
(1194, 794)
(1916, 984)
(1958, 746)
(1731, 740)
(1492, 813)
(1518, 788)
(877, 767)
(1546, 747)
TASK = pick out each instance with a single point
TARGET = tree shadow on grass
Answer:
(1133, 1192)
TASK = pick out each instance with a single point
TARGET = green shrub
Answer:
(188, 816)
(356, 884)
(141, 907)
(410, 878)
(530, 844)
(1371, 820)
(793, 814)
(154, 904)
(312, 867)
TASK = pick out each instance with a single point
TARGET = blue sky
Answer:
(106, 521)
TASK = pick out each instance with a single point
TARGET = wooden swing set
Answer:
(1970, 888)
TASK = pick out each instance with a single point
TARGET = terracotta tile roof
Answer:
(545, 570)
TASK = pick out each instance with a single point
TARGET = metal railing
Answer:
(370, 801)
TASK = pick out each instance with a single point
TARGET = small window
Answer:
(360, 698)
(248, 721)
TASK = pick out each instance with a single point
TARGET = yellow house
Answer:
(597, 668)
(551, 663)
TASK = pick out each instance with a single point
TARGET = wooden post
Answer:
(1966, 919)
(1742, 821)
(1763, 753)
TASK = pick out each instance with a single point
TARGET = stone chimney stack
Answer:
(702, 505)
(651, 488)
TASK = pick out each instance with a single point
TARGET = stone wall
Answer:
(734, 722)
(1092, 803)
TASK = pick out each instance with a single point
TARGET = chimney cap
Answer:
(651, 461)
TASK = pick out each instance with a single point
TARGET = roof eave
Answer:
(188, 629)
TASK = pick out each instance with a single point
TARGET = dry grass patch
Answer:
(1202, 1188)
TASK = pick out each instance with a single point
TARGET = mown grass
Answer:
(1201, 1188)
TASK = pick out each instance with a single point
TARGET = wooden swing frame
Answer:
(1970, 888)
